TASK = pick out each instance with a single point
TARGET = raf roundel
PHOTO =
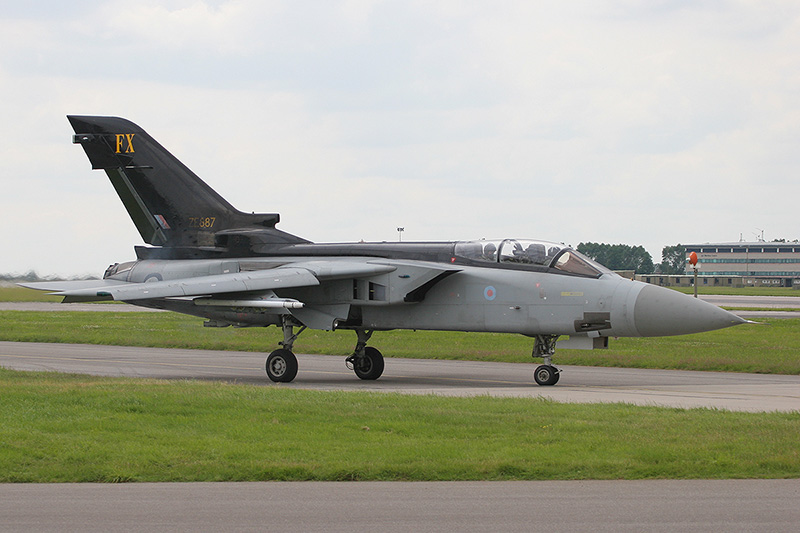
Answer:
(490, 293)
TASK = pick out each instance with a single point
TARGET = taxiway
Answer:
(673, 388)
(548, 506)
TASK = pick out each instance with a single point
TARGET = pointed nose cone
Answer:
(659, 312)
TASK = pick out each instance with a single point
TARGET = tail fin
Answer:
(167, 202)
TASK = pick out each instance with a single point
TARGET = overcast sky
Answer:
(637, 122)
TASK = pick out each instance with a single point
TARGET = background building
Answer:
(738, 264)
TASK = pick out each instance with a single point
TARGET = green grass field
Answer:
(66, 428)
(10, 293)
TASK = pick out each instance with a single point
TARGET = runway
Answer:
(769, 306)
(672, 388)
(774, 302)
(551, 506)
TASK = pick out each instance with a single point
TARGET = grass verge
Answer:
(770, 349)
(21, 294)
(67, 428)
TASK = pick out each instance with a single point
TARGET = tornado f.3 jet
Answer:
(210, 260)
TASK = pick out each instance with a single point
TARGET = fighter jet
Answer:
(210, 260)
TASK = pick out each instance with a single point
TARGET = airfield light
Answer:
(693, 262)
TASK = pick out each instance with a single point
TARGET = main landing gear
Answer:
(545, 346)
(366, 361)
(282, 363)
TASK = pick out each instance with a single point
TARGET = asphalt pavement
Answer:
(675, 388)
(388, 507)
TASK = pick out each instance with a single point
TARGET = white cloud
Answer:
(638, 122)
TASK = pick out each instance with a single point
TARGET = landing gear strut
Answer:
(282, 363)
(366, 361)
(545, 346)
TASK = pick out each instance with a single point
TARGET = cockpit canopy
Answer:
(119, 271)
(524, 252)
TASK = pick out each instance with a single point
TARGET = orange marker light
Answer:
(693, 258)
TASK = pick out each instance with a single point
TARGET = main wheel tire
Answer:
(546, 375)
(281, 366)
(371, 365)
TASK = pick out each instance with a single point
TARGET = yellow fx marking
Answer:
(125, 137)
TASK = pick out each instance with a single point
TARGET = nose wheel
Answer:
(546, 375)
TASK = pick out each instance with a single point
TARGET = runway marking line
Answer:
(91, 359)
(689, 395)
(470, 380)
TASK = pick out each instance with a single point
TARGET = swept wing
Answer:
(303, 274)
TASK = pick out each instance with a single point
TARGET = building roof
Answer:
(793, 244)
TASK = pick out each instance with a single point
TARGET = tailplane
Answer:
(169, 204)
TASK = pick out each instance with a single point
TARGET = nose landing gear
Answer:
(544, 346)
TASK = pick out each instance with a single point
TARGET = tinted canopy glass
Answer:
(529, 252)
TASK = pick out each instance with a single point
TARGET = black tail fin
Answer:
(167, 202)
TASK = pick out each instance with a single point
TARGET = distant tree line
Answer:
(636, 258)
(673, 260)
(619, 256)
(32, 276)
